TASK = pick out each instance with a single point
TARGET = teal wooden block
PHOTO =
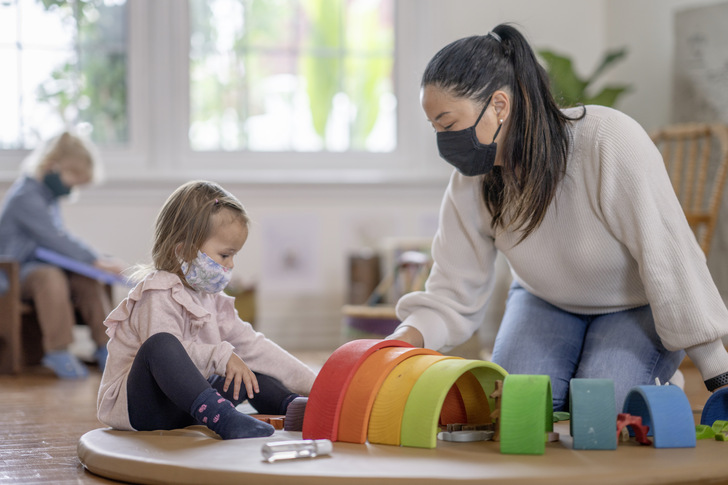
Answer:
(593, 410)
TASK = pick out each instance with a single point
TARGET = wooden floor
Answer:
(43, 417)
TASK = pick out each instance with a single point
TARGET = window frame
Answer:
(158, 94)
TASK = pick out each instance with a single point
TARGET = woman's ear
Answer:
(502, 105)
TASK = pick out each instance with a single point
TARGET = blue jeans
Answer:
(536, 337)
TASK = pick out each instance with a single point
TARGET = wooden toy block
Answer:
(495, 415)
(593, 412)
(716, 407)
(719, 425)
(453, 409)
(552, 436)
(465, 435)
(364, 386)
(635, 423)
(327, 393)
(385, 419)
(704, 432)
(561, 416)
(666, 411)
(526, 414)
(421, 413)
(274, 420)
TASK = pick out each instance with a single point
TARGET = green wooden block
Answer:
(526, 414)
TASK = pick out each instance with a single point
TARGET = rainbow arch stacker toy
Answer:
(393, 393)
(388, 392)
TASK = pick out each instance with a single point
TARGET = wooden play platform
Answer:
(195, 455)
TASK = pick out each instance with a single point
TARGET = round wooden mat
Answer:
(195, 455)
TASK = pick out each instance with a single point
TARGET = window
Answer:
(250, 90)
(64, 65)
(292, 75)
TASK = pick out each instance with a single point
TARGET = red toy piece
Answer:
(640, 430)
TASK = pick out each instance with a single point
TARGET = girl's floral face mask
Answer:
(205, 274)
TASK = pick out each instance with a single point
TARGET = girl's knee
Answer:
(161, 342)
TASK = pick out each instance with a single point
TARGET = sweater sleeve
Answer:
(33, 216)
(260, 353)
(454, 302)
(643, 212)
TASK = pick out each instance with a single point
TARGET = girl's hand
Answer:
(236, 371)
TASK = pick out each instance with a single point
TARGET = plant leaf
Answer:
(607, 96)
(565, 83)
(609, 59)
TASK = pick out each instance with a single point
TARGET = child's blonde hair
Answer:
(60, 149)
(185, 222)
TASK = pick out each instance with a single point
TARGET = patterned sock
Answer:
(219, 414)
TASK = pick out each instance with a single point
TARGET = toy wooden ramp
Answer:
(193, 456)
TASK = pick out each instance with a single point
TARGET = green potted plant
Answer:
(569, 89)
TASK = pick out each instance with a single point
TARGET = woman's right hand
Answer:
(407, 334)
(238, 373)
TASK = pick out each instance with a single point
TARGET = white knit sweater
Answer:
(615, 237)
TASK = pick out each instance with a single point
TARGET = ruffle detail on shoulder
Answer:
(157, 281)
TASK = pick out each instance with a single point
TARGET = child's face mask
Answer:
(205, 274)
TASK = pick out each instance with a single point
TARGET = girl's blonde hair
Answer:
(62, 148)
(185, 222)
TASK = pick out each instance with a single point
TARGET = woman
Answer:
(30, 218)
(609, 281)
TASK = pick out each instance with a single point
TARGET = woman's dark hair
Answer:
(536, 147)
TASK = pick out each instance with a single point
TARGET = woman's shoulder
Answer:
(602, 126)
(600, 117)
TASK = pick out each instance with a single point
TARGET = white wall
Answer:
(305, 313)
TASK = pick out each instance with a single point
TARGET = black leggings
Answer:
(164, 382)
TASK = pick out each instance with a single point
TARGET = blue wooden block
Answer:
(716, 407)
(666, 410)
(593, 410)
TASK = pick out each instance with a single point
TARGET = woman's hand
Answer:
(238, 372)
(408, 334)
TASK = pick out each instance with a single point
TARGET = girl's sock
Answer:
(219, 414)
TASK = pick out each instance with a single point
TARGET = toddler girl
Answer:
(178, 352)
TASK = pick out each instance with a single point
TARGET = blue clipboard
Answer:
(81, 268)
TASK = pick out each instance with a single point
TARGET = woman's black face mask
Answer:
(462, 150)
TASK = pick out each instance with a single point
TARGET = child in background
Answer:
(30, 218)
(178, 352)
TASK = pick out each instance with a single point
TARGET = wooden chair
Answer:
(20, 334)
(696, 158)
